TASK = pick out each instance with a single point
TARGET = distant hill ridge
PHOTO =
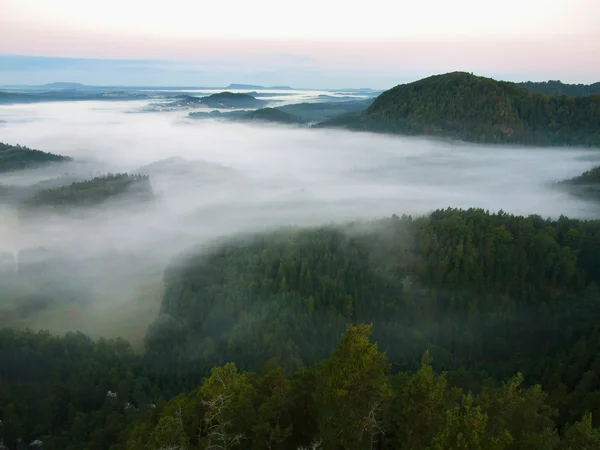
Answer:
(63, 85)
(463, 106)
(556, 87)
(255, 86)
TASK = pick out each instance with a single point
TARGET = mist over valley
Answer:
(212, 179)
(229, 227)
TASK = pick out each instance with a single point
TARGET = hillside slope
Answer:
(16, 157)
(463, 106)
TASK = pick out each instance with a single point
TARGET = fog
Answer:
(228, 178)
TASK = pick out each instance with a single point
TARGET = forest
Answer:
(463, 106)
(94, 191)
(16, 157)
(461, 329)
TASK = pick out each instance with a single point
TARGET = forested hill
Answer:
(486, 330)
(16, 157)
(463, 106)
(556, 87)
(94, 191)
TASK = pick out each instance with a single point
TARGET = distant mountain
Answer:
(556, 87)
(463, 106)
(63, 85)
(63, 95)
(16, 157)
(254, 86)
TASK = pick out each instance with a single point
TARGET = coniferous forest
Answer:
(458, 330)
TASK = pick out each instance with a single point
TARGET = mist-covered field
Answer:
(213, 179)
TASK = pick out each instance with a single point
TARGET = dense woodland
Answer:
(463, 106)
(485, 328)
(94, 191)
(16, 157)
(556, 87)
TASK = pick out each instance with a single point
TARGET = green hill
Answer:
(16, 157)
(464, 106)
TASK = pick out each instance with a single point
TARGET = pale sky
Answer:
(304, 43)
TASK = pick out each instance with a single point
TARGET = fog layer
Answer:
(214, 178)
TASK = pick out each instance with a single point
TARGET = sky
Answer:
(314, 44)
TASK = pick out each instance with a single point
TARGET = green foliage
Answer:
(581, 435)
(418, 409)
(168, 435)
(94, 191)
(351, 391)
(349, 401)
(16, 157)
(471, 108)
(466, 428)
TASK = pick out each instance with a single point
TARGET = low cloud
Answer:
(231, 178)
